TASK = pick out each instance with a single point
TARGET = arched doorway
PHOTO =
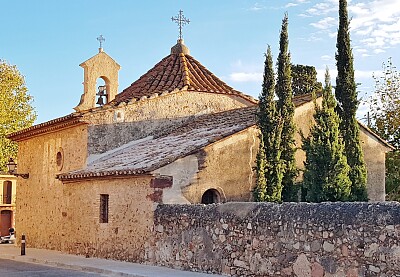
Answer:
(5, 222)
(211, 196)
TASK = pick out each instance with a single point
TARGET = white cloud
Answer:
(326, 58)
(324, 23)
(288, 5)
(256, 7)
(374, 23)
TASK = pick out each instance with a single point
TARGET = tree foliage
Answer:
(385, 104)
(16, 111)
(346, 94)
(326, 169)
(285, 109)
(269, 169)
(385, 114)
(304, 79)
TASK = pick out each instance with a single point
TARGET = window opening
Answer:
(104, 208)
(7, 192)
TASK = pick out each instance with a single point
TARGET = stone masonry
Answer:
(265, 239)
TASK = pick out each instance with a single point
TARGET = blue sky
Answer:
(48, 40)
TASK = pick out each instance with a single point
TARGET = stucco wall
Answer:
(40, 198)
(226, 165)
(130, 218)
(114, 126)
(265, 239)
(374, 156)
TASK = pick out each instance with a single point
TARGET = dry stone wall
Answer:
(265, 239)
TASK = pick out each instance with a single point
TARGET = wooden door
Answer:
(5, 222)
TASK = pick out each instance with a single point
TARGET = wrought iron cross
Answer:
(181, 20)
(101, 39)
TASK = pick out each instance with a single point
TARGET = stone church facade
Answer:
(177, 135)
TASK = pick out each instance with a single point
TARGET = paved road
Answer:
(9, 268)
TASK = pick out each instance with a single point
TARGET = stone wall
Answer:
(40, 199)
(113, 126)
(265, 239)
(130, 217)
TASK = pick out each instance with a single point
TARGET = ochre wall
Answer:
(40, 199)
(233, 158)
(131, 205)
(374, 156)
(226, 165)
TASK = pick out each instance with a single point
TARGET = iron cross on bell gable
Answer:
(181, 20)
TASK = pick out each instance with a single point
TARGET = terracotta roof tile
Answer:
(176, 71)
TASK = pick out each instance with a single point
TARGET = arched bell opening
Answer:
(103, 91)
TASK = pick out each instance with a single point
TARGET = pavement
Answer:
(92, 265)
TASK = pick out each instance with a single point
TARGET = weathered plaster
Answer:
(184, 171)
(130, 218)
(374, 156)
(40, 199)
(99, 66)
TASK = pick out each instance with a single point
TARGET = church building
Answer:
(177, 135)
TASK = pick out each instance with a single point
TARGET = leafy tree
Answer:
(285, 109)
(269, 169)
(346, 94)
(304, 79)
(385, 104)
(393, 176)
(385, 115)
(326, 169)
(16, 112)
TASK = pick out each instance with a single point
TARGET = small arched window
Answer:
(211, 196)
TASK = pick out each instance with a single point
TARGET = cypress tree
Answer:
(346, 94)
(285, 109)
(326, 169)
(269, 175)
(260, 189)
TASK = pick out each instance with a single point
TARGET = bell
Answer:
(100, 101)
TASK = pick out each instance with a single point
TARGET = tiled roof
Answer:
(49, 126)
(146, 155)
(177, 71)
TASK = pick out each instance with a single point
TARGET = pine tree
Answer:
(346, 94)
(326, 169)
(285, 109)
(268, 184)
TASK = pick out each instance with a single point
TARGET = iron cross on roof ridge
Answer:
(181, 20)
(101, 39)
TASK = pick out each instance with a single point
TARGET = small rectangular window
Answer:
(103, 208)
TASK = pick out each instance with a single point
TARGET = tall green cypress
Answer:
(260, 189)
(326, 169)
(285, 109)
(346, 94)
(269, 170)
